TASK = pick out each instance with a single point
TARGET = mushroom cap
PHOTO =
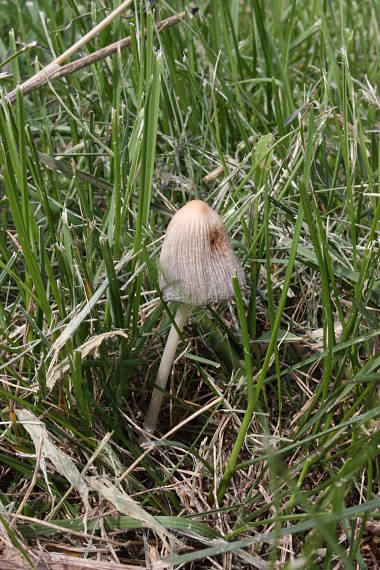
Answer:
(197, 260)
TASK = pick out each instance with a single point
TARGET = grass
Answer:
(269, 434)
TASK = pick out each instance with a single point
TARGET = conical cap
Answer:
(197, 260)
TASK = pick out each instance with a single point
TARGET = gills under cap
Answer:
(197, 260)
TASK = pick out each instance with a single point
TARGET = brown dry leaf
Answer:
(11, 559)
(62, 462)
(129, 507)
(79, 317)
(90, 346)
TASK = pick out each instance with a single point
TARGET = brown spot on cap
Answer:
(217, 238)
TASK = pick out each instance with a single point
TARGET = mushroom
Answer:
(197, 264)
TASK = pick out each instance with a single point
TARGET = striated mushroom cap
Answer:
(197, 260)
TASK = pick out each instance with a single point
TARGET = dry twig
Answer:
(55, 70)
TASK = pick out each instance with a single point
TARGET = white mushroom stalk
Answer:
(164, 369)
(197, 265)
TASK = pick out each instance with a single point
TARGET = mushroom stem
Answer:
(165, 367)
